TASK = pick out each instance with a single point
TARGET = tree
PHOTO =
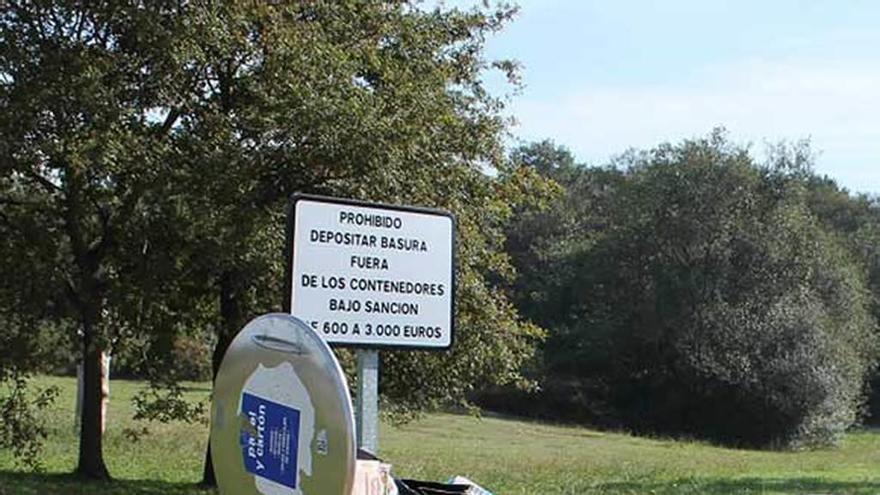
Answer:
(855, 221)
(82, 144)
(692, 290)
(159, 142)
(373, 100)
(717, 305)
(544, 241)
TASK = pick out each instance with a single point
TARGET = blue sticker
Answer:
(270, 445)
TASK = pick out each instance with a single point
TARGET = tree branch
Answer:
(170, 120)
(72, 293)
(100, 248)
(80, 23)
(47, 184)
(19, 202)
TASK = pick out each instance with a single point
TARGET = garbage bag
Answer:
(413, 487)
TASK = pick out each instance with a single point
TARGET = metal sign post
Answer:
(371, 276)
(367, 414)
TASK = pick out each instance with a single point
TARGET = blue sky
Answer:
(604, 76)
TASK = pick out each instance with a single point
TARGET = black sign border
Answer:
(288, 261)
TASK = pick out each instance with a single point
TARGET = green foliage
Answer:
(711, 301)
(165, 402)
(23, 426)
(855, 220)
(27, 342)
(545, 237)
(375, 100)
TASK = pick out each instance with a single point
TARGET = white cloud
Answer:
(836, 104)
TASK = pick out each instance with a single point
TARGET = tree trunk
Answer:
(232, 317)
(87, 296)
(91, 451)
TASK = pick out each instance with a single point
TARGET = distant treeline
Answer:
(692, 289)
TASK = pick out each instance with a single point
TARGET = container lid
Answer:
(281, 415)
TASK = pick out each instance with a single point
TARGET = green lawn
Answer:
(506, 456)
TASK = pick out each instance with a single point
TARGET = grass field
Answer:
(506, 456)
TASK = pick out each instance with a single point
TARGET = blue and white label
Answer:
(269, 446)
(283, 395)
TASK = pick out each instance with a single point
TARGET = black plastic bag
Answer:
(413, 487)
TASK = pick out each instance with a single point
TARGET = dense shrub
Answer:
(711, 302)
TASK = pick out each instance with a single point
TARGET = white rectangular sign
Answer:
(372, 275)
